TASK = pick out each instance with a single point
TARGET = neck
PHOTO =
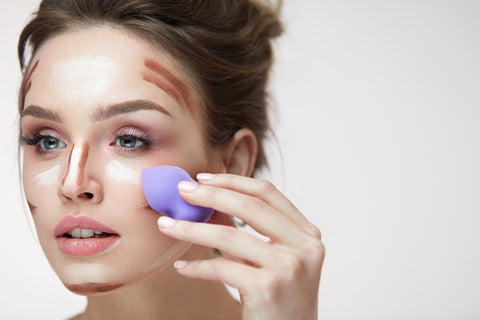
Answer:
(166, 295)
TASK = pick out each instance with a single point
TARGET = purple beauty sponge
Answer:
(160, 186)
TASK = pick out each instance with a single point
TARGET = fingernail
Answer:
(205, 176)
(165, 222)
(180, 264)
(187, 186)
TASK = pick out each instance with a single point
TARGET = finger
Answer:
(234, 274)
(254, 211)
(226, 220)
(222, 219)
(230, 240)
(262, 189)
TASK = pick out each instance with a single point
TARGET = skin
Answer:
(78, 76)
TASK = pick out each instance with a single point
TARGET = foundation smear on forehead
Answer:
(122, 174)
(74, 76)
(49, 177)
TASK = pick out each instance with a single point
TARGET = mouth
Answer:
(84, 236)
(80, 233)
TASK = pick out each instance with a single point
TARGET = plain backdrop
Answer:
(377, 112)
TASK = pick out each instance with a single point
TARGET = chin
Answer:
(92, 288)
(93, 276)
(82, 281)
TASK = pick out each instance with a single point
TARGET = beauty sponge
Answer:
(160, 186)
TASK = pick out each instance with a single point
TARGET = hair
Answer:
(225, 44)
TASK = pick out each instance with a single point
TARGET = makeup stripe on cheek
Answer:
(122, 174)
(48, 177)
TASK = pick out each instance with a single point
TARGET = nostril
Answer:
(86, 195)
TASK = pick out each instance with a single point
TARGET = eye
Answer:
(51, 143)
(129, 141)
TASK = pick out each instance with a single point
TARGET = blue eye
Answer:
(129, 142)
(51, 143)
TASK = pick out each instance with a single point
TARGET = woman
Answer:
(113, 87)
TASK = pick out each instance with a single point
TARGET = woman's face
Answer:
(100, 106)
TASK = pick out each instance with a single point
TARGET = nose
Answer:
(77, 184)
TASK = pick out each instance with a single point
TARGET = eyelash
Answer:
(143, 137)
(34, 137)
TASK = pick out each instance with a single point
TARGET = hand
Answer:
(277, 279)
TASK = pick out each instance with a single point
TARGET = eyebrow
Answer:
(104, 113)
(100, 114)
(42, 113)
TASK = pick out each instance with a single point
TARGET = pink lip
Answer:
(83, 247)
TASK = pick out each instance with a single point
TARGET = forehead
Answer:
(104, 44)
(94, 63)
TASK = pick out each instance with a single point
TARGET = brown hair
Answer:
(226, 44)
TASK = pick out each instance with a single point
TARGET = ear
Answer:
(241, 153)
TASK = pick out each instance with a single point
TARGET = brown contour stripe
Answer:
(91, 288)
(29, 76)
(177, 89)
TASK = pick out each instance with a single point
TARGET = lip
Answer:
(83, 247)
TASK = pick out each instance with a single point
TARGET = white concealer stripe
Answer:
(94, 272)
(74, 76)
(74, 168)
(48, 177)
(122, 174)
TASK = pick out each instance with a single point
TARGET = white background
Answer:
(378, 122)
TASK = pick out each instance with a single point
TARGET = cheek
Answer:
(48, 177)
(125, 184)
(122, 174)
(40, 184)
(36, 181)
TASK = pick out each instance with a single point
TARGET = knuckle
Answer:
(183, 226)
(186, 228)
(213, 195)
(217, 265)
(315, 250)
(292, 266)
(267, 187)
(228, 234)
(250, 203)
(314, 231)
(229, 178)
(269, 286)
